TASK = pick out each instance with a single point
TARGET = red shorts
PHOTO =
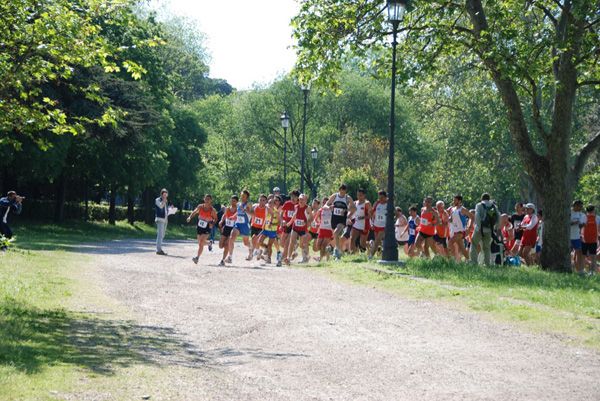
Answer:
(325, 234)
(378, 229)
(363, 232)
(460, 234)
(527, 242)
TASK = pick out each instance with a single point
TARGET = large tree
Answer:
(538, 54)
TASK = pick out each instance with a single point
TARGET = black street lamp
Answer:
(396, 9)
(305, 88)
(285, 123)
(314, 153)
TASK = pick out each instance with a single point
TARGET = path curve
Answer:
(256, 331)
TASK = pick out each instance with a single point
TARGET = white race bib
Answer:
(424, 221)
(241, 219)
(300, 223)
(314, 224)
(258, 221)
(202, 223)
(230, 223)
(290, 213)
(338, 211)
(326, 223)
(411, 231)
(380, 217)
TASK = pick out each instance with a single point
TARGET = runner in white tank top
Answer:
(362, 222)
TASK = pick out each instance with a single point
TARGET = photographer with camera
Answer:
(12, 202)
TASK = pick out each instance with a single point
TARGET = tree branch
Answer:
(580, 84)
(583, 155)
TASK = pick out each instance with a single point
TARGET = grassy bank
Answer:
(60, 336)
(565, 305)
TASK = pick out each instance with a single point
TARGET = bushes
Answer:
(44, 210)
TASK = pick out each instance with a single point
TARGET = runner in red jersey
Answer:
(508, 233)
(285, 216)
(529, 227)
(299, 224)
(589, 238)
(314, 225)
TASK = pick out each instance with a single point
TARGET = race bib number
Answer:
(268, 222)
(314, 224)
(258, 220)
(424, 221)
(241, 219)
(381, 217)
(300, 223)
(338, 211)
(230, 223)
(411, 231)
(202, 223)
(290, 214)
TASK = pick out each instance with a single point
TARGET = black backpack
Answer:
(491, 216)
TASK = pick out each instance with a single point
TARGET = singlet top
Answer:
(272, 222)
(590, 231)
(288, 210)
(260, 214)
(359, 224)
(575, 229)
(230, 217)
(300, 220)
(242, 216)
(204, 216)
(459, 220)
(426, 218)
(509, 243)
(340, 205)
(325, 219)
(412, 226)
(530, 235)
(442, 231)
(401, 232)
(380, 214)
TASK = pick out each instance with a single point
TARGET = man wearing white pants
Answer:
(161, 218)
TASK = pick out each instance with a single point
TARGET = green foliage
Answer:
(356, 179)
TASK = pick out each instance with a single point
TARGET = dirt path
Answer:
(255, 331)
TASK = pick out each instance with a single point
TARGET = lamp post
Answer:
(305, 88)
(285, 123)
(314, 153)
(396, 9)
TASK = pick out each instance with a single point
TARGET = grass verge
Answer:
(566, 306)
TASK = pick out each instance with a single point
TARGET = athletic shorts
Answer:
(411, 240)
(378, 229)
(325, 234)
(576, 243)
(314, 235)
(300, 233)
(441, 241)
(227, 231)
(270, 234)
(243, 229)
(202, 231)
(459, 234)
(287, 230)
(279, 230)
(401, 243)
(337, 220)
(255, 231)
(538, 249)
(589, 248)
(362, 232)
(525, 243)
(422, 234)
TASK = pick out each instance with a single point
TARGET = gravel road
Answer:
(256, 331)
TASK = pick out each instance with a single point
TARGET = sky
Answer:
(249, 41)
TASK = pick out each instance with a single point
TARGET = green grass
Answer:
(565, 305)
(60, 335)
(50, 236)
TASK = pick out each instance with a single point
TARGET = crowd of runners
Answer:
(276, 229)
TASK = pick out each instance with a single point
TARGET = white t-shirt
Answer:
(575, 229)
(399, 235)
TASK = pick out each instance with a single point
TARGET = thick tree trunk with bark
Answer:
(61, 195)
(130, 210)
(149, 206)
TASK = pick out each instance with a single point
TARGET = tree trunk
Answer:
(149, 206)
(111, 209)
(61, 191)
(130, 210)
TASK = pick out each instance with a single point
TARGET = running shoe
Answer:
(294, 255)
(195, 260)
(278, 255)
(287, 261)
(221, 263)
(278, 263)
(228, 259)
(210, 244)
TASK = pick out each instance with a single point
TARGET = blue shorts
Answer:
(538, 249)
(270, 234)
(411, 239)
(243, 229)
(576, 243)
